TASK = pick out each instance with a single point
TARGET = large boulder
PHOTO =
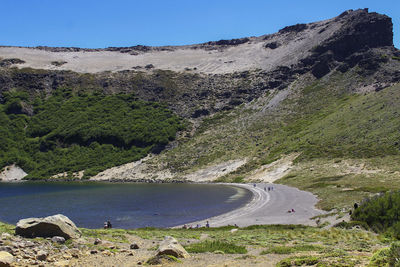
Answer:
(6, 259)
(56, 225)
(170, 246)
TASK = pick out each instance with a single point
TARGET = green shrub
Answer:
(389, 256)
(306, 260)
(298, 261)
(380, 258)
(380, 213)
(278, 250)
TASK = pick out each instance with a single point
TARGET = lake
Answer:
(126, 205)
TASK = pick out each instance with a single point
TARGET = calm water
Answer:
(126, 205)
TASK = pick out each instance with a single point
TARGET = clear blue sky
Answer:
(101, 23)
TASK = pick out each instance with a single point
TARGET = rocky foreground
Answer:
(228, 246)
(56, 241)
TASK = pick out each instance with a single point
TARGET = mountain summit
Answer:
(298, 45)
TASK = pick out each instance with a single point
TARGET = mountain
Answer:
(313, 104)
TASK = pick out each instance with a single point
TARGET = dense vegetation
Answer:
(381, 213)
(69, 132)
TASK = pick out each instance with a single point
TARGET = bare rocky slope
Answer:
(197, 80)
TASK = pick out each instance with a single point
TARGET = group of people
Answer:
(197, 226)
(270, 188)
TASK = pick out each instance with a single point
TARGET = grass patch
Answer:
(7, 228)
(216, 246)
(292, 249)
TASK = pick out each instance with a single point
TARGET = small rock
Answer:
(6, 259)
(8, 249)
(26, 256)
(106, 253)
(97, 241)
(41, 255)
(134, 246)
(170, 246)
(139, 263)
(234, 230)
(74, 253)
(58, 239)
(67, 256)
(93, 252)
(61, 263)
(27, 244)
(5, 236)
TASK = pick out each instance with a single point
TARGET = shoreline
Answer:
(267, 207)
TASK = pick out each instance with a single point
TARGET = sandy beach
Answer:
(268, 207)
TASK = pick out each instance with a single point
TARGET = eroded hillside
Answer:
(323, 92)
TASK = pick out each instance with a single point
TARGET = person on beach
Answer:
(109, 225)
(105, 225)
(207, 225)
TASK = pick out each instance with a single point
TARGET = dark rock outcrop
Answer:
(231, 42)
(272, 45)
(360, 30)
(294, 28)
(10, 61)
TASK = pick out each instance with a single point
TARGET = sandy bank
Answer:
(269, 207)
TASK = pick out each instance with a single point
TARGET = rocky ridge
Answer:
(353, 39)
